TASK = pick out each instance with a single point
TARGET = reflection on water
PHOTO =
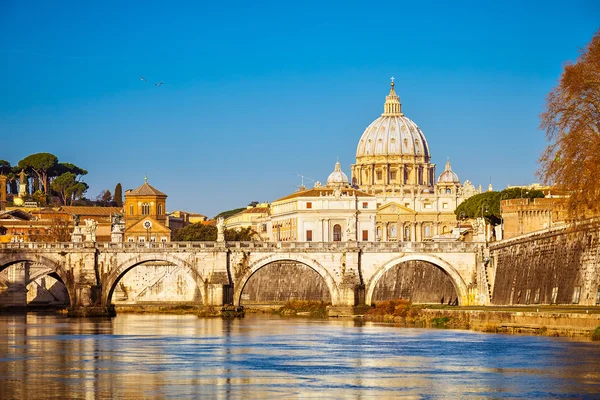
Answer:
(164, 356)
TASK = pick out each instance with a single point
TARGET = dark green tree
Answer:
(118, 196)
(487, 204)
(229, 213)
(241, 235)
(68, 188)
(64, 186)
(5, 167)
(196, 232)
(40, 164)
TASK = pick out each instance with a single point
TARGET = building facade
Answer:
(145, 215)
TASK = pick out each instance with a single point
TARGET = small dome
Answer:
(337, 177)
(448, 176)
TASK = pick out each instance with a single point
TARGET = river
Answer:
(152, 356)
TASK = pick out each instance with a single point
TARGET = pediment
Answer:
(157, 227)
(394, 208)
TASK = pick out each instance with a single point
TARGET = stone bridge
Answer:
(560, 265)
(350, 270)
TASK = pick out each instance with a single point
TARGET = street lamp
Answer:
(483, 218)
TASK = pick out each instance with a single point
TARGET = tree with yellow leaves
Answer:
(572, 125)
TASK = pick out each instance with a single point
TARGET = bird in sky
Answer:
(142, 78)
(158, 84)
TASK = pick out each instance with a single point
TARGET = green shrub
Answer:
(596, 334)
(440, 322)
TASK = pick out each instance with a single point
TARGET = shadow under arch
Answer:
(115, 275)
(329, 281)
(455, 278)
(53, 269)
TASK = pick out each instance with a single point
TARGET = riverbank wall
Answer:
(548, 323)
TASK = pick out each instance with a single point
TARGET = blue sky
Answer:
(257, 93)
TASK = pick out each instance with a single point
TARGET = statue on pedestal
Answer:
(90, 227)
(220, 229)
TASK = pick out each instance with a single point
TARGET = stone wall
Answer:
(559, 266)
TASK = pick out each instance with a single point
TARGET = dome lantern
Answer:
(392, 105)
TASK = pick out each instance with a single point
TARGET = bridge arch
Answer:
(258, 264)
(455, 277)
(52, 268)
(115, 275)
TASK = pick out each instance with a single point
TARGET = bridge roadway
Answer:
(351, 270)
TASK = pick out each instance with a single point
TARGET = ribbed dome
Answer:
(448, 176)
(392, 134)
(337, 177)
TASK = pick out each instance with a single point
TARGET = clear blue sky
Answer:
(258, 92)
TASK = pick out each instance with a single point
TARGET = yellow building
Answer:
(255, 217)
(145, 215)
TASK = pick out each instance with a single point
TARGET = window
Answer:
(163, 239)
(427, 231)
(160, 209)
(393, 175)
(407, 233)
(554, 295)
(536, 298)
(576, 293)
(378, 175)
(527, 296)
(130, 240)
(309, 235)
(308, 204)
(153, 239)
(365, 236)
(598, 296)
(145, 209)
(131, 209)
(337, 233)
(427, 206)
(365, 204)
(444, 205)
(393, 231)
(448, 191)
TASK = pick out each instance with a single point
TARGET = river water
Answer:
(153, 356)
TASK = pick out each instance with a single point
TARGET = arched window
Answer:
(378, 233)
(444, 229)
(407, 233)
(448, 191)
(337, 233)
(160, 209)
(145, 209)
(427, 231)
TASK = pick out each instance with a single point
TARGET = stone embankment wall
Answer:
(417, 281)
(558, 266)
(563, 324)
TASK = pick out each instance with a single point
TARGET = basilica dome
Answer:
(392, 134)
(337, 177)
(392, 154)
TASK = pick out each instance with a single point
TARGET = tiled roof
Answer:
(324, 191)
(145, 190)
(98, 211)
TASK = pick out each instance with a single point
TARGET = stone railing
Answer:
(430, 247)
